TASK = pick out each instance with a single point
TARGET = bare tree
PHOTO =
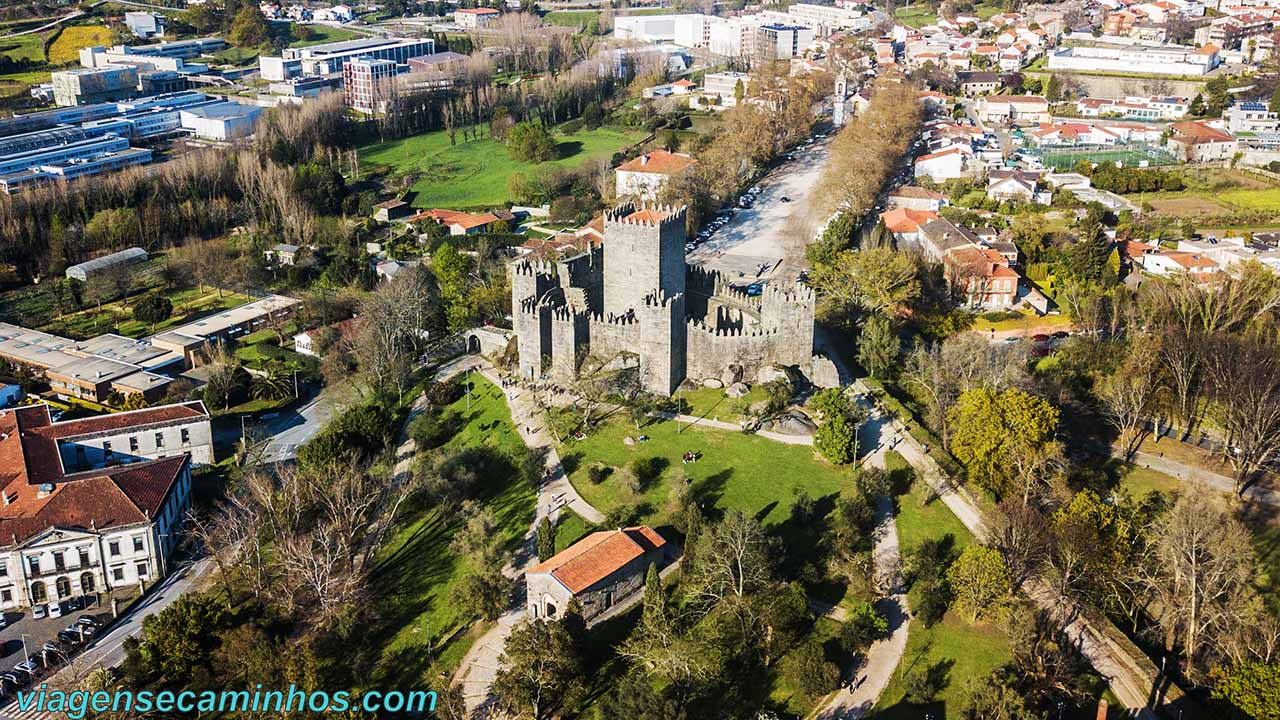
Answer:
(1202, 573)
(1129, 395)
(1244, 379)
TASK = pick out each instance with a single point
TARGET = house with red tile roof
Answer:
(95, 504)
(1194, 141)
(905, 223)
(644, 177)
(981, 277)
(602, 570)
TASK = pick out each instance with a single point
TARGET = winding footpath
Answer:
(480, 665)
(856, 699)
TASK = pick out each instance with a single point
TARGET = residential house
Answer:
(317, 341)
(1194, 141)
(914, 197)
(1168, 262)
(600, 571)
(905, 223)
(1016, 186)
(282, 254)
(1014, 109)
(390, 210)
(475, 18)
(954, 162)
(459, 223)
(977, 82)
(644, 177)
(980, 277)
(940, 236)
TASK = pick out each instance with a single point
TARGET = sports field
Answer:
(474, 174)
(1129, 157)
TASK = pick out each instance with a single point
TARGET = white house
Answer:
(644, 177)
(1016, 186)
(954, 162)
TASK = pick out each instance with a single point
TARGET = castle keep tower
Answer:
(643, 252)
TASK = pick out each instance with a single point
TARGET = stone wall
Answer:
(663, 345)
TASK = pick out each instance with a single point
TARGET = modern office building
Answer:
(328, 59)
(220, 120)
(83, 86)
(783, 41)
(90, 164)
(725, 86)
(365, 82)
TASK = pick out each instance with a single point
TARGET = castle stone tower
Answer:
(643, 253)
(663, 342)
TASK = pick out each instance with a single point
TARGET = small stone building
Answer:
(600, 570)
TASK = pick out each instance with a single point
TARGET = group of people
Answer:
(691, 457)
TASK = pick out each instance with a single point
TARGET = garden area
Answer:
(473, 174)
(1213, 195)
(308, 35)
(428, 627)
(117, 317)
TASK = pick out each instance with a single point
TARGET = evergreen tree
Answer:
(1088, 257)
(546, 538)
(878, 346)
(656, 617)
(1197, 105)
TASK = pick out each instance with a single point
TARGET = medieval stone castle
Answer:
(632, 296)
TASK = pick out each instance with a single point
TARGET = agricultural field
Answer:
(1214, 191)
(65, 50)
(474, 174)
(916, 16)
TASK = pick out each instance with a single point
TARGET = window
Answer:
(64, 587)
(159, 440)
(33, 562)
(106, 449)
(117, 574)
(186, 436)
(84, 557)
(114, 546)
(6, 596)
(137, 544)
(142, 570)
(4, 569)
(133, 444)
(59, 560)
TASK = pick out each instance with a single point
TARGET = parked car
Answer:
(90, 622)
(70, 636)
(755, 289)
(30, 667)
(77, 603)
(39, 612)
(55, 610)
(15, 679)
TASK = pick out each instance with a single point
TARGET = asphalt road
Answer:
(107, 650)
(772, 231)
(292, 428)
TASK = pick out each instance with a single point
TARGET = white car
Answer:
(55, 610)
(39, 611)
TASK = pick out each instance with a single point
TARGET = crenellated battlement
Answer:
(797, 294)
(699, 325)
(659, 299)
(647, 216)
(615, 320)
(525, 267)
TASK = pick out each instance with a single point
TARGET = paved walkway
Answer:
(480, 665)
(856, 699)
(1131, 678)
(1190, 473)
(722, 425)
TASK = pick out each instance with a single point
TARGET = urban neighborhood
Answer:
(652, 359)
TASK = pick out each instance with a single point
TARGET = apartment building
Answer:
(725, 86)
(1228, 32)
(1136, 108)
(96, 504)
(783, 41)
(83, 86)
(475, 18)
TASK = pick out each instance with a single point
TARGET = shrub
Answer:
(807, 668)
(433, 429)
(837, 439)
(863, 626)
(646, 470)
(598, 472)
(531, 143)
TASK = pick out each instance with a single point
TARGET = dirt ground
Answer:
(1188, 207)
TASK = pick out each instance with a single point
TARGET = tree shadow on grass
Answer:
(568, 148)
(706, 493)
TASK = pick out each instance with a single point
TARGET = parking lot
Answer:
(775, 229)
(26, 637)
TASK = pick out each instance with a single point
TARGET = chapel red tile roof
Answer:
(599, 555)
(659, 162)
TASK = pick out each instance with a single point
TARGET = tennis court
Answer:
(1063, 158)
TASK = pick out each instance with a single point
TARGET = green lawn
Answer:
(713, 403)
(117, 317)
(916, 15)
(736, 471)
(1266, 200)
(1026, 322)
(424, 634)
(474, 174)
(321, 34)
(958, 649)
(570, 529)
